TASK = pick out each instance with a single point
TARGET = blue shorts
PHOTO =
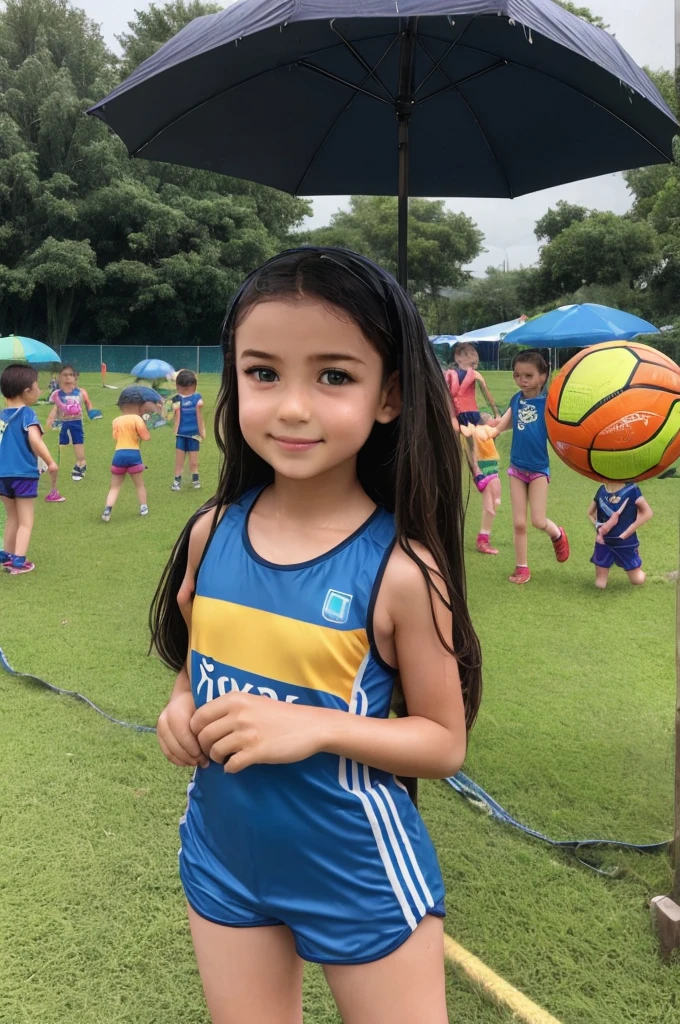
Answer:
(469, 419)
(18, 487)
(72, 432)
(127, 460)
(626, 557)
(187, 444)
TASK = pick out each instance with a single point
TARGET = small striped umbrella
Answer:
(15, 349)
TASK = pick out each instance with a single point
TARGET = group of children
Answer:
(617, 510)
(24, 454)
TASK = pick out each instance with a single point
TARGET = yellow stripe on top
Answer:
(276, 647)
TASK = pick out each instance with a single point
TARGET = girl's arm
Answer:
(592, 513)
(142, 430)
(199, 417)
(240, 729)
(644, 515)
(504, 423)
(39, 448)
(487, 394)
(86, 398)
(175, 738)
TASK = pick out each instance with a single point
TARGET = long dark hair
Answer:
(411, 466)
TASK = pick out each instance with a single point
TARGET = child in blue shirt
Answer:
(617, 511)
(21, 445)
(529, 470)
(189, 427)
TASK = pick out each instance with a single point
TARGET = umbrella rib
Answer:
(342, 81)
(437, 65)
(337, 119)
(573, 88)
(463, 81)
(364, 63)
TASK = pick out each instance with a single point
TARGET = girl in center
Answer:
(329, 563)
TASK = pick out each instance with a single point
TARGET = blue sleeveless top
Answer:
(275, 839)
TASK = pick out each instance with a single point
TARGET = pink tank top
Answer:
(462, 391)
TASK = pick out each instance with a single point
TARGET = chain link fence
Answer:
(121, 358)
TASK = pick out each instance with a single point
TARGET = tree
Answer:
(440, 242)
(557, 220)
(602, 249)
(153, 27)
(94, 245)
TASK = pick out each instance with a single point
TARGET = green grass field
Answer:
(575, 738)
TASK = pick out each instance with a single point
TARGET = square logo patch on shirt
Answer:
(336, 606)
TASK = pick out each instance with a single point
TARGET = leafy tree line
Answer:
(97, 247)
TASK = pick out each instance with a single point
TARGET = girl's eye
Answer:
(335, 377)
(262, 374)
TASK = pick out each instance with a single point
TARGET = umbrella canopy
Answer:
(444, 339)
(495, 333)
(15, 349)
(427, 97)
(152, 369)
(581, 325)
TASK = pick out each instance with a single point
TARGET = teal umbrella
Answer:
(15, 349)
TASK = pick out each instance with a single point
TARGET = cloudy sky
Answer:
(646, 30)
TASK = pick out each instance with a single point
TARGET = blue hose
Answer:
(477, 796)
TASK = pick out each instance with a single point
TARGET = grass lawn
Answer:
(575, 738)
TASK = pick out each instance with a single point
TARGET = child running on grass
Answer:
(129, 429)
(485, 472)
(617, 512)
(329, 561)
(189, 427)
(529, 470)
(68, 401)
(21, 445)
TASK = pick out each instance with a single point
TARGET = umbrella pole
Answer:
(404, 108)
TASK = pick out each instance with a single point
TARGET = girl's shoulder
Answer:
(405, 578)
(201, 530)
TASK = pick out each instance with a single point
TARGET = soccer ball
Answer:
(613, 412)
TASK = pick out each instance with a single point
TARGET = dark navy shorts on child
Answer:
(187, 444)
(469, 419)
(626, 557)
(71, 433)
(18, 487)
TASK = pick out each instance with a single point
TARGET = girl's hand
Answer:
(612, 521)
(174, 734)
(240, 729)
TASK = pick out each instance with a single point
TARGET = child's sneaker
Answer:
(521, 574)
(561, 546)
(106, 514)
(143, 510)
(176, 484)
(54, 496)
(18, 566)
(195, 483)
(483, 545)
(77, 473)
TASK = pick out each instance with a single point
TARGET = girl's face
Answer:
(467, 358)
(529, 379)
(67, 380)
(310, 386)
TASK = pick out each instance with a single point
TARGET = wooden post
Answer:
(666, 909)
(676, 834)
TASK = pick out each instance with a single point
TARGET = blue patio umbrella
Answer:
(17, 349)
(578, 326)
(423, 98)
(152, 369)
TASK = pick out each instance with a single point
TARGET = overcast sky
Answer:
(643, 27)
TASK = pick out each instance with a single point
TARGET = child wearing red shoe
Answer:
(21, 445)
(529, 470)
(484, 467)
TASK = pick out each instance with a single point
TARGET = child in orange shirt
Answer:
(129, 430)
(484, 468)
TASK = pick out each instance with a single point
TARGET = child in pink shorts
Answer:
(129, 430)
(529, 470)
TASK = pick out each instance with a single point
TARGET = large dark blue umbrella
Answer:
(419, 97)
(579, 326)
